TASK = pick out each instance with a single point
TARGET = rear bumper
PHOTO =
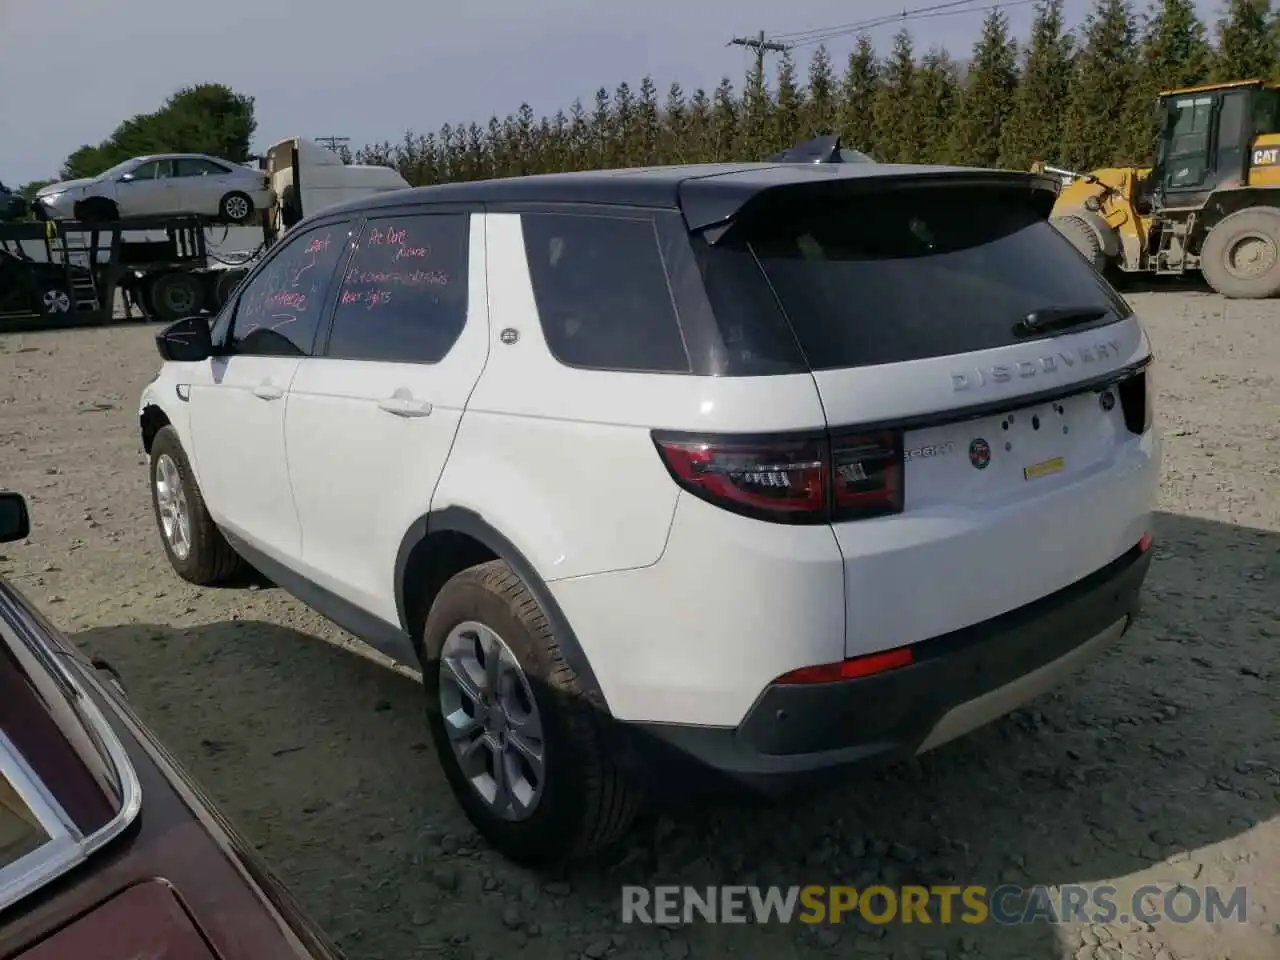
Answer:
(957, 682)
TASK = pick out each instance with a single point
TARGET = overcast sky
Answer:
(71, 70)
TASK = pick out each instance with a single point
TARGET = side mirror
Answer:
(15, 522)
(126, 178)
(186, 341)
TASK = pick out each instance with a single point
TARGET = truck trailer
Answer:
(67, 273)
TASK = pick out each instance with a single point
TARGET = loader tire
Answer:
(1084, 238)
(1240, 258)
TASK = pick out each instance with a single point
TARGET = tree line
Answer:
(1080, 98)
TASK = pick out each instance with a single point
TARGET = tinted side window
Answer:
(280, 308)
(602, 292)
(403, 298)
(197, 167)
(147, 171)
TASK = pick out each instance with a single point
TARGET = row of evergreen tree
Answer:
(1080, 98)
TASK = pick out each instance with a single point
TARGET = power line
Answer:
(809, 38)
(795, 36)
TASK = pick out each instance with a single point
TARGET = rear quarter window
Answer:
(602, 292)
(913, 273)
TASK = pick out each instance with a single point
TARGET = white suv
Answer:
(751, 470)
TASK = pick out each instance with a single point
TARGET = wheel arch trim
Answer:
(468, 522)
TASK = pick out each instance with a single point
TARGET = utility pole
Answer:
(333, 142)
(761, 46)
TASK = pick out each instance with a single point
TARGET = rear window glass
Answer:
(911, 274)
(602, 292)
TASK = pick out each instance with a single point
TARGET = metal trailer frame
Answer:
(94, 261)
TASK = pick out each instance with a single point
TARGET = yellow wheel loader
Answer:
(1210, 202)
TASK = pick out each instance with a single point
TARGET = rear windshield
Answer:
(908, 274)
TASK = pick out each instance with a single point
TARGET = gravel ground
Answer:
(1160, 764)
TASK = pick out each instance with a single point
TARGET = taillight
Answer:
(784, 481)
(867, 474)
(791, 480)
(1136, 396)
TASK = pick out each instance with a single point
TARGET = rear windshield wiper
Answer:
(1058, 318)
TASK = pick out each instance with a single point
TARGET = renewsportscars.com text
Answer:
(1005, 905)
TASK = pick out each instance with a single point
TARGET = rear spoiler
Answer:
(712, 205)
(818, 150)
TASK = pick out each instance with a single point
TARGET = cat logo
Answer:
(1266, 158)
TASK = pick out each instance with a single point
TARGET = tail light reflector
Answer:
(789, 479)
(851, 669)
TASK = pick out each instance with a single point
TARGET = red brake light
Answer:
(791, 479)
(851, 669)
(1145, 543)
(779, 480)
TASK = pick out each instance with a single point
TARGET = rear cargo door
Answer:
(912, 306)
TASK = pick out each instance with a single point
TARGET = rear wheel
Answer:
(56, 302)
(1240, 258)
(196, 549)
(225, 284)
(523, 749)
(173, 296)
(236, 207)
(1084, 238)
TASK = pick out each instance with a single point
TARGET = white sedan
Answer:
(160, 185)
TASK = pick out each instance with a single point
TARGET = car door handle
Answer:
(405, 407)
(268, 391)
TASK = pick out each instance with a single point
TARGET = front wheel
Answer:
(1240, 258)
(522, 748)
(196, 549)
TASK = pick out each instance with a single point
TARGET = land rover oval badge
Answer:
(979, 453)
(509, 336)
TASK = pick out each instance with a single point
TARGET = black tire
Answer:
(1221, 253)
(210, 560)
(96, 210)
(586, 802)
(236, 207)
(1084, 238)
(174, 296)
(224, 285)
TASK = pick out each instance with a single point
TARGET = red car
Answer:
(108, 850)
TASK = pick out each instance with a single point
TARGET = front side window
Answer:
(147, 171)
(403, 298)
(280, 309)
(602, 292)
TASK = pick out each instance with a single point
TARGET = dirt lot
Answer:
(1160, 765)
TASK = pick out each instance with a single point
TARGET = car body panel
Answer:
(181, 843)
(687, 609)
(145, 920)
